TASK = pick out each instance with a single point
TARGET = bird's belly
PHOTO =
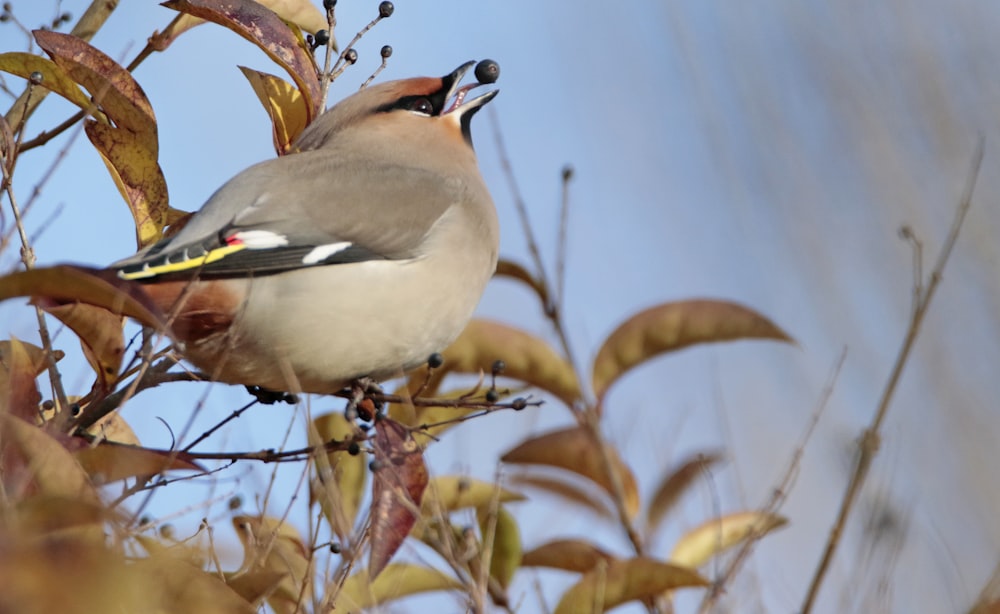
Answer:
(337, 336)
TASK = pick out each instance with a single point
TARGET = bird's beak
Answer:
(460, 106)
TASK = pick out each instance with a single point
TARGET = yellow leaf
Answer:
(452, 492)
(527, 358)
(617, 582)
(101, 336)
(54, 78)
(275, 546)
(699, 545)
(672, 326)
(574, 449)
(340, 483)
(505, 545)
(396, 581)
(284, 105)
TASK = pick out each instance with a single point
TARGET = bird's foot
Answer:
(361, 403)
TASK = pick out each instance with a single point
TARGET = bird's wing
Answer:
(302, 210)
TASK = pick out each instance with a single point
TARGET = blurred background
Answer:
(765, 152)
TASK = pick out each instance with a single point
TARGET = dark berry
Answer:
(386, 51)
(353, 448)
(492, 396)
(335, 547)
(351, 56)
(235, 503)
(321, 37)
(435, 360)
(498, 367)
(487, 71)
(385, 9)
(375, 465)
(329, 4)
(518, 404)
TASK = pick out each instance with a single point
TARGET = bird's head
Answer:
(423, 109)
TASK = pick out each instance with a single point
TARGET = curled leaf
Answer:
(33, 461)
(101, 336)
(513, 270)
(699, 545)
(675, 483)
(568, 554)
(672, 326)
(269, 544)
(574, 449)
(621, 581)
(527, 358)
(284, 105)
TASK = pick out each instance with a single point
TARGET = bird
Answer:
(354, 258)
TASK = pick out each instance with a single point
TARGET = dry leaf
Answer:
(264, 28)
(699, 545)
(269, 544)
(527, 358)
(341, 477)
(675, 484)
(568, 554)
(673, 326)
(574, 449)
(400, 478)
(284, 105)
(396, 581)
(621, 581)
(505, 545)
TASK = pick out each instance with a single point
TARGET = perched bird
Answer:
(358, 256)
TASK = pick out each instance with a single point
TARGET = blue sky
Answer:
(764, 152)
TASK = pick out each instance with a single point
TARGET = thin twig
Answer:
(869, 442)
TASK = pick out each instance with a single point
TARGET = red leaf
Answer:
(400, 477)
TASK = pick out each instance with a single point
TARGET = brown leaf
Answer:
(527, 358)
(111, 86)
(69, 283)
(572, 493)
(110, 462)
(699, 545)
(618, 582)
(672, 326)
(31, 460)
(574, 449)
(675, 484)
(20, 364)
(54, 78)
(341, 477)
(284, 105)
(398, 488)
(101, 336)
(568, 554)
(254, 586)
(513, 270)
(130, 148)
(263, 27)
(273, 545)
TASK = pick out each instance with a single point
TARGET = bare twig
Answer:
(869, 441)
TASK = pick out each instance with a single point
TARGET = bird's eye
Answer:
(421, 105)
